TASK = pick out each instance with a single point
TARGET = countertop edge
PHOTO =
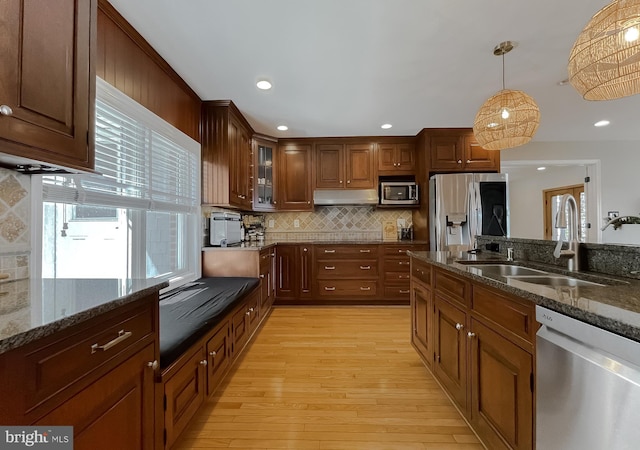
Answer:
(605, 323)
(20, 339)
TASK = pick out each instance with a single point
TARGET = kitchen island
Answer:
(82, 352)
(474, 325)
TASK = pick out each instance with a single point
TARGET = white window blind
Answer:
(143, 163)
(143, 205)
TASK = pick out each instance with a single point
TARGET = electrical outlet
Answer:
(296, 223)
(272, 223)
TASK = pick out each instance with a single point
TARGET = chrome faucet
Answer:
(572, 253)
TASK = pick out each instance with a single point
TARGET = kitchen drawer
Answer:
(421, 271)
(336, 269)
(51, 368)
(347, 288)
(395, 250)
(397, 291)
(346, 251)
(398, 264)
(397, 277)
(515, 317)
(451, 286)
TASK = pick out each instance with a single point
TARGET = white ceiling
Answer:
(344, 67)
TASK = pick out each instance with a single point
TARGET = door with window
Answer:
(552, 205)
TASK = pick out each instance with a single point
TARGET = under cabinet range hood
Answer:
(330, 197)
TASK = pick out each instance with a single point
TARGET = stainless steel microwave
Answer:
(399, 193)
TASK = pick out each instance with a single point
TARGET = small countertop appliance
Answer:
(224, 228)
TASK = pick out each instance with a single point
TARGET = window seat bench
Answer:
(204, 326)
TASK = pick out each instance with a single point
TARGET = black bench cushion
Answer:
(188, 312)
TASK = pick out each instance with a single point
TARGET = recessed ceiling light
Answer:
(541, 168)
(386, 126)
(601, 123)
(264, 85)
(282, 127)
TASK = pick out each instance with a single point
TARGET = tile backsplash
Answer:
(15, 225)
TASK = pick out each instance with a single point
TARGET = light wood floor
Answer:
(330, 378)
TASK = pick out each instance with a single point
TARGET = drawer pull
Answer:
(363, 288)
(329, 251)
(213, 353)
(261, 275)
(329, 267)
(402, 251)
(204, 362)
(122, 336)
(404, 291)
(404, 263)
(471, 335)
(365, 251)
(250, 309)
(365, 267)
(153, 364)
(248, 313)
(329, 288)
(459, 326)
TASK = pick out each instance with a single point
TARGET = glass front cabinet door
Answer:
(264, 190)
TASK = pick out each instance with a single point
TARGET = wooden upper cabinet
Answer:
(227, 159)
(396, 159)
(477, 158)
(264, 174)
(456, 150)
(345, 166)
(330, 166)
(294, 177)
(360, 166)
(48, 81)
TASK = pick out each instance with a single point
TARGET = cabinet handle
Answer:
(273, 254)
(365, 267)
(251, 310)
(402, 251)
(459, 326)
(153, 364)
(327, 288)
(308, 203)
(248, 313)
(404, 291)
(305, 249)
(275, 202)
(459, 161)
(6, 110)
(348, 181)
(471, 335)
(122, 336)
(365, 251)
(468, 161)
(329, 267)
(329, 251)
(406, 263)
(261, 275)
(214, 353)
(203, 362)
(340, 181)
(363, 288)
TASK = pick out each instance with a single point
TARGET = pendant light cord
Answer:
(503, 70)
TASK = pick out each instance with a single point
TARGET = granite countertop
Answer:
(614, 307)
(257, 245)
(31, 310)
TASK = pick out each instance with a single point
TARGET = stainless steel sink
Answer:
(554, 280)
(504, 270)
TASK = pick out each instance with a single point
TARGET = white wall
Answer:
(620, 166)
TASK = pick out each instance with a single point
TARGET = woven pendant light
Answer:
(508, 119)
(604, 63)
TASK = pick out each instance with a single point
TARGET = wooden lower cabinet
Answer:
(184, 392)
(450, 346)
(116, 411)
(294, 272)
(502, 390)
(483, 348)
(421, 312)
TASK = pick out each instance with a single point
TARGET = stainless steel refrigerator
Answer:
(464, 205)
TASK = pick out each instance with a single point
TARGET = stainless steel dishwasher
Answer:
(587, 387)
